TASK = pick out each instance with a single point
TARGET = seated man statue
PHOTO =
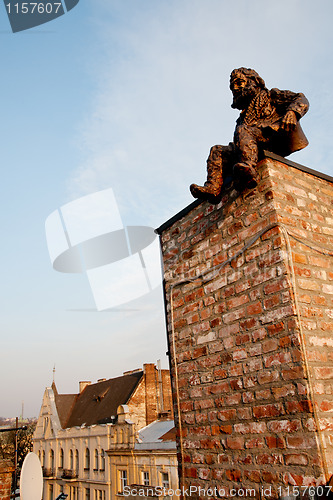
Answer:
(269, 119)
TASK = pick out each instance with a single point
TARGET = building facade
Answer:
(86, 441)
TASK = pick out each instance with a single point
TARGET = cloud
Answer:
(163, 96)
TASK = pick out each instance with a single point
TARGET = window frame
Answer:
(123, 479)
(145, 478)
(87, 459)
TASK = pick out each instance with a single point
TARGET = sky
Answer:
(128, 95)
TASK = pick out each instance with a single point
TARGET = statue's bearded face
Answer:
(243, 90)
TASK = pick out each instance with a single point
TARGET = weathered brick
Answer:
(233, 475)
(296, 459)
(275, 442)
(252, 382)
(284, 426)
(277, 359)
(235, 443)
(269, 476)
(268, 410)
(300, 442)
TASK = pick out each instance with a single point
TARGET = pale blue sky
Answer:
(131, 95)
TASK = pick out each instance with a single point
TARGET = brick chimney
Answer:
(250, 285)
(151, 388)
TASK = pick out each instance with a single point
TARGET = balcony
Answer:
(48, 472)
(69, 474)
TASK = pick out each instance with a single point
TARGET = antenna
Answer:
(53, 372)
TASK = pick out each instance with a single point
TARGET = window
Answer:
(61, 458)
(99, 495)
(87, 459)
(122, 479)
(165, 480)
(43, 458)
(73, 492)
(87, 494)
(45, 423)
(102, 462)
(145, 478)
(71, 461)
(50, 491)
(51, 459)
(76, 463)
(96, 460)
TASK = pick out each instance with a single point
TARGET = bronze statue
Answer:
(269, 119)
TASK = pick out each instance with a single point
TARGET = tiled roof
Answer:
(97, 403)
(64, 404)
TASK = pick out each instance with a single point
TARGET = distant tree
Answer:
(7, 440)
(24, 446)
(24, 443)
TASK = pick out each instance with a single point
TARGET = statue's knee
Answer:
(215, 149)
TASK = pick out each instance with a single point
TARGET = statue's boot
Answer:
(211, 190)
(245, 177)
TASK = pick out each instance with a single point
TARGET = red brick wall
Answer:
(151, 388)
(6, 471)
(146, 403)
(153, 394)
(252, 381)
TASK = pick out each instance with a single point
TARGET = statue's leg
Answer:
(246, 143)
(211, 190)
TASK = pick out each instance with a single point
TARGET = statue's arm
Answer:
(292, 106)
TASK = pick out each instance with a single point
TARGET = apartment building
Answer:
(112, 434)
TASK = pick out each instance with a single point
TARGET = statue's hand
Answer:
(289, 121)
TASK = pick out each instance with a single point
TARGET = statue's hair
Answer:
(249, 73)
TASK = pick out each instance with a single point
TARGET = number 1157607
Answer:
(33, 8)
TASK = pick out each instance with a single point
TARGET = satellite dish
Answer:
(31, 481)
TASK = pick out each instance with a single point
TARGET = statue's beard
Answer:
(242, 98)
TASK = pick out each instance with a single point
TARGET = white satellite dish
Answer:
(31, 481)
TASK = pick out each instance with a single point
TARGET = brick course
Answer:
(252, 352)
(6, 472)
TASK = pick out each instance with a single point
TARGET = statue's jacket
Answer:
(265, 113)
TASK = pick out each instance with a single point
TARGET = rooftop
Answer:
(160, 434)
(97, 403)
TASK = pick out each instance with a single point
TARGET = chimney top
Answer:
(130, 372)
(83, 384)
